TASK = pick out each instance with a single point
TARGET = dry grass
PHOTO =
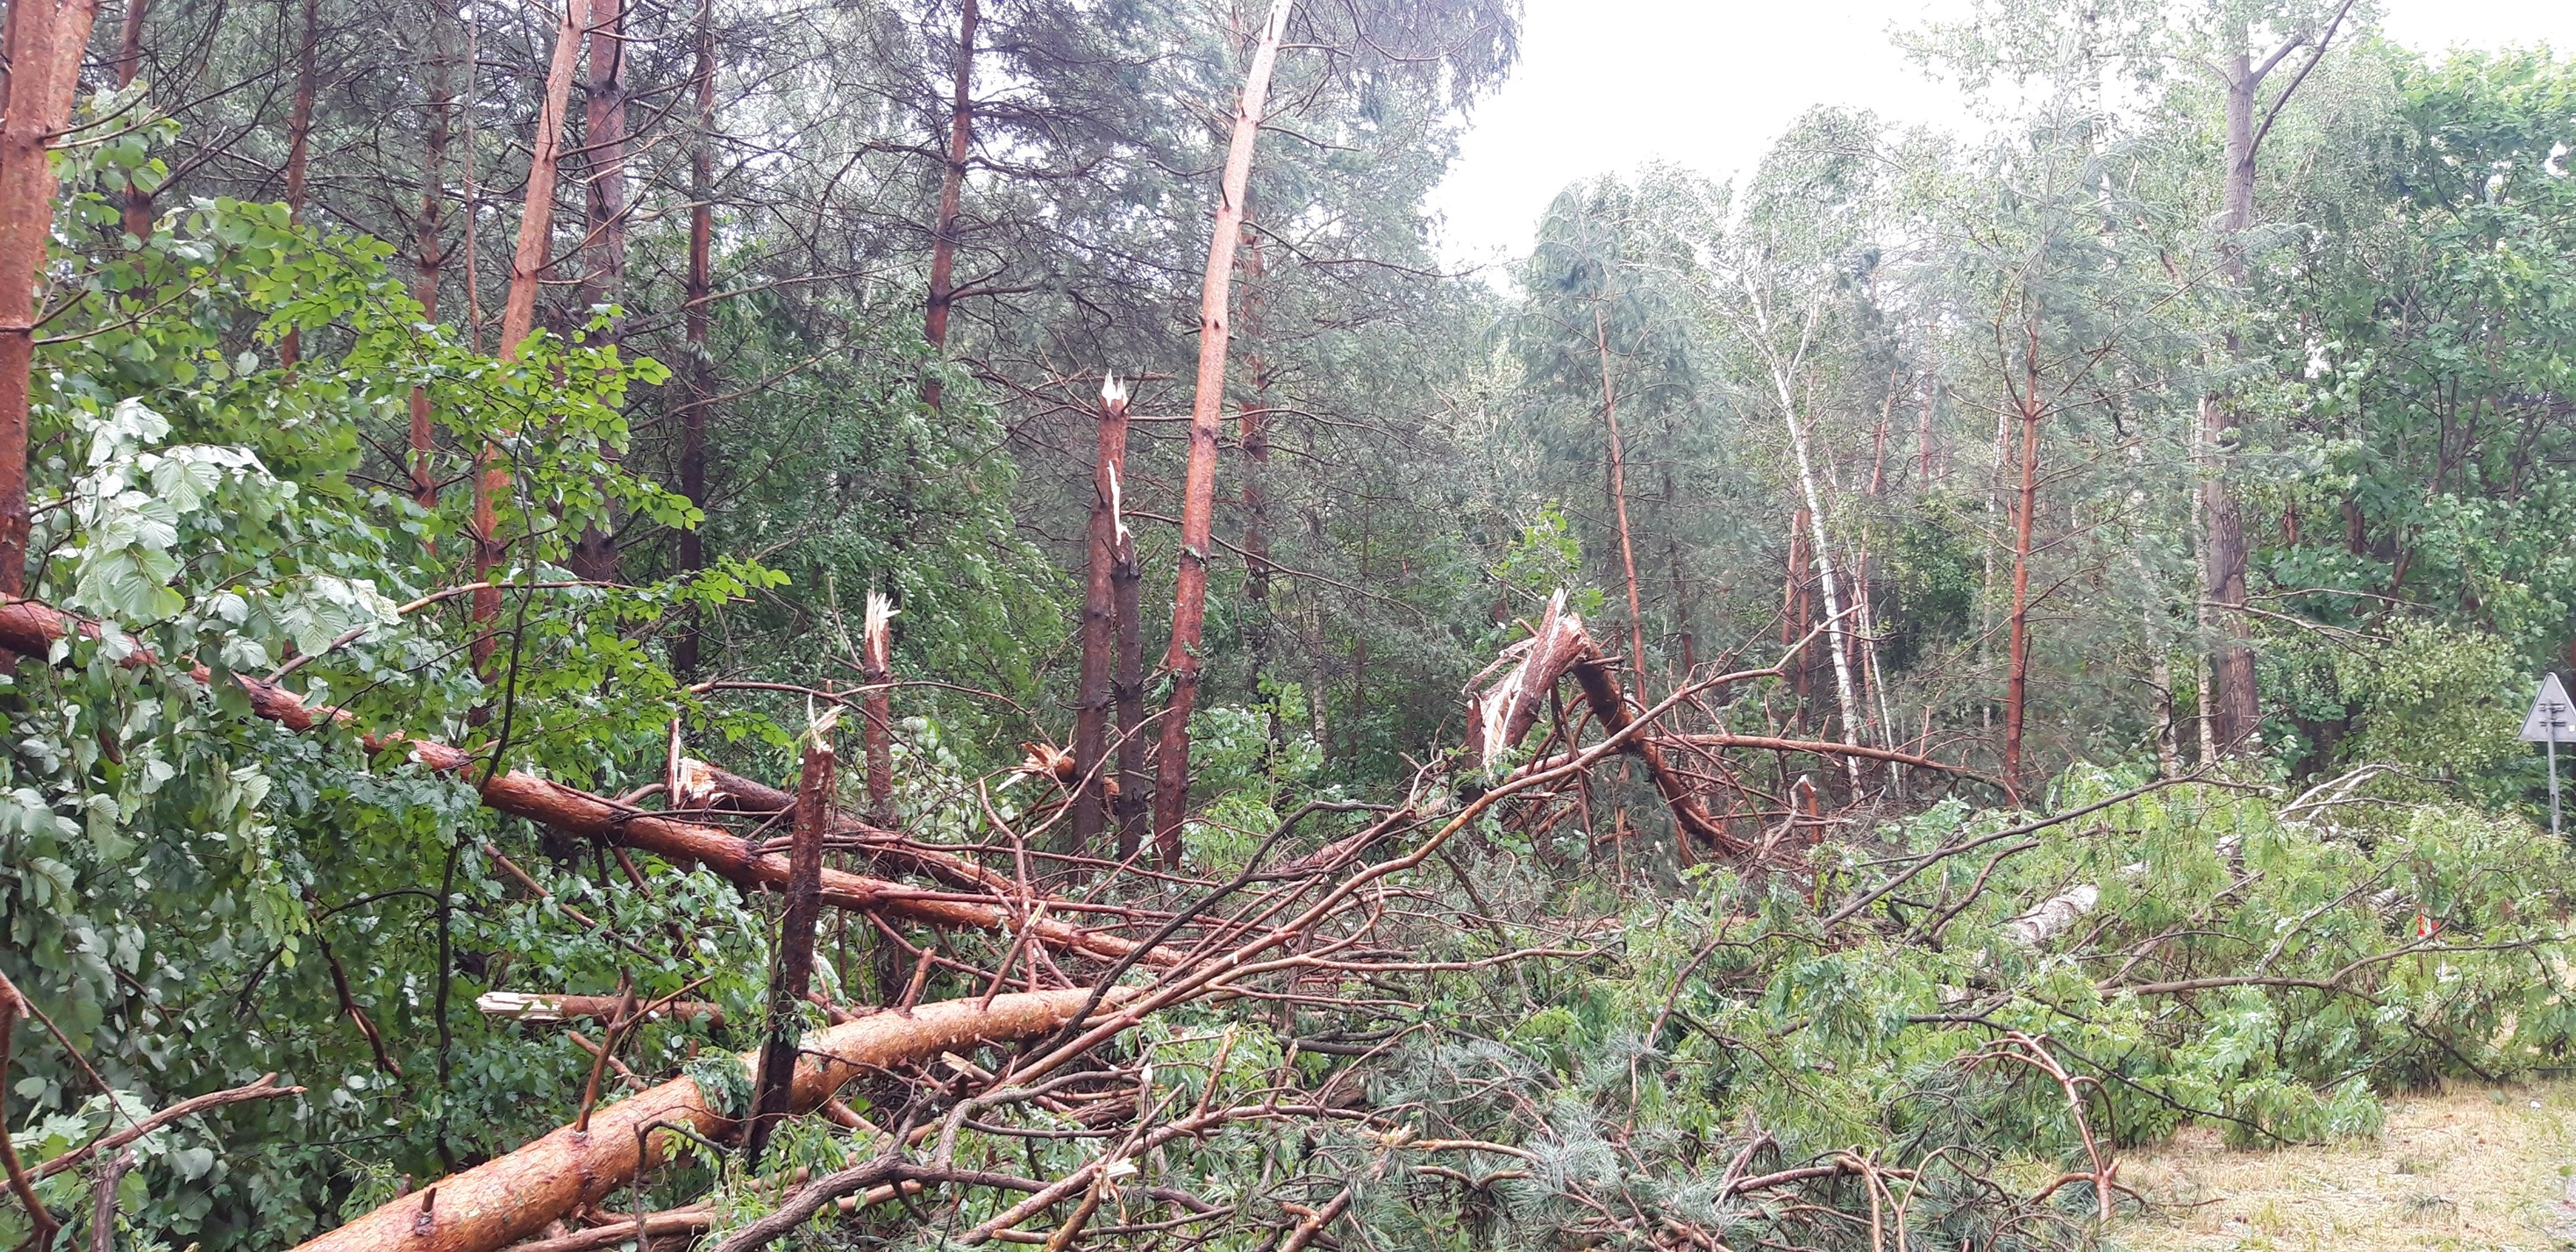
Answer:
(2470, 1168)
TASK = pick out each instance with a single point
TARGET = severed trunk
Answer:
(1127, 686)
(695, 289)
(594, 554)
(791, 967)
(519, 315)
(952, 194)
(515, 1195)
(1198, 503)
(43, 43)
(1099, 626)
(876, 669)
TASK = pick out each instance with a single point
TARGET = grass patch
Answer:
(2472, 1167)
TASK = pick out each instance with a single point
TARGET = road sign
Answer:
(2553, 716)
(2551, 721)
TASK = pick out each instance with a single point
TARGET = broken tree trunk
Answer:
(1207, 410)
(1099, 625)
(31, 628)
(791, 971)
(528, 261)
(515, 1195)
(1500, 716)
(876, 706)
(42, 42)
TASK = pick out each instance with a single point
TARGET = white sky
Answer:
(1611, 84)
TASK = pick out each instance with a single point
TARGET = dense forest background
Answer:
(2050, 611)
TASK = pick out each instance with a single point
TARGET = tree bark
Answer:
(952, 195)
(136, 213)
(594, 554)
(1253, 427)
(432, 258)
(2017, 680)
(519, 314)
(1099, 625)
(876, 707)
(515, 1195)
(43, 42)
(2235, 705)
(2235, 700)
(299, 147)
(791, 972)
(1127, 686)
(695, 289)
(1207, 406)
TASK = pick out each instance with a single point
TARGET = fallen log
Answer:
(694, 784)
(29, 627)
(513, 1196)
(521, 1006)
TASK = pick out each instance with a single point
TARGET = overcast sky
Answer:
(1610, 84)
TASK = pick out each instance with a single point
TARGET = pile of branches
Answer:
(1410, 1016)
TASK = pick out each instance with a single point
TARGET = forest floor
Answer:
(2471, 1167)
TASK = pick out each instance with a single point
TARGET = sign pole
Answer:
(2557, 719)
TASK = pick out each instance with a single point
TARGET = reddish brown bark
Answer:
(1619, 503)
(2017, 680)
(299, 147)
(695, 290)
(952, 193)
(1207, 407)
(43, 43)
(791, 972)
(1127, 685)
(514, 1196)
(1099, 624)
(431, 261)
(876, 707)
(594, 554)
(136, 213)
(519, 312)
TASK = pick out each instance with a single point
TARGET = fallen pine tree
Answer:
(516, 1194)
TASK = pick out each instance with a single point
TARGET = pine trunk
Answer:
(2017, 680)
(43, 42)
(594, 554)
(431, 260)
(1619, 506)
(695, 289)
(137, 211)
(952, 194)
(1207, 406)
(791, 966)
(299, 147)
(519, 314)
(1099, 626)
